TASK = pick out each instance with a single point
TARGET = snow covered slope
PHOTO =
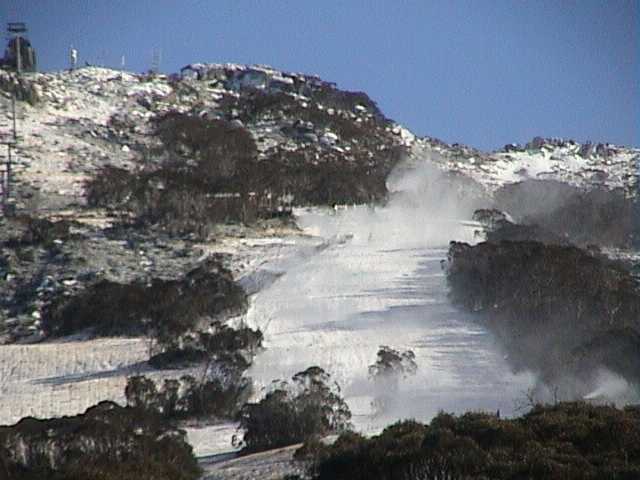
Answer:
(83, 119)
(585, 165)
(370, 278)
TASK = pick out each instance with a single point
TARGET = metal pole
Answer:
(4, 191)
(13, 114)
(8, 175)
(18, 54)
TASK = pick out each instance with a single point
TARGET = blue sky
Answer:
(484, 73)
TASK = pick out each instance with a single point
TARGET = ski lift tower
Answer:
(17, 31)
(21, 56)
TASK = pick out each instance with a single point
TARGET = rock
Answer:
(536, 144)
(329, 138)
(586, 150)
(512, 147)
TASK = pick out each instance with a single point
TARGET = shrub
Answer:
(206, 178)
(106, 442)
(169, 308)
(393, 363)
(212, 172)
(565, 441)
(390, 366)
(225, 355)
(231, 350)
(27, 231)
(189, 398)
(550, 302)
(311, 407)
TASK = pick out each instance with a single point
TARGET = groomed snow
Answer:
(381, 285)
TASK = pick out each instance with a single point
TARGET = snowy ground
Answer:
(65, 377)
(271, 465)
(382, 286)
(377, 281)
(362, 278)
(58, 378)
(368, 278)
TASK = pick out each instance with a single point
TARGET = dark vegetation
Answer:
(389, 368)
(166, 309)
(189, 398)
(352, 171)
(309, 407)
(329, 179)
(391, 363)
(220, 389)
(568, 441)
(601, 216)
(255, 104)
(209, 170)
(220, 343)
(28, 231)
(30, 250)
(206, 178)
(106, 442)
(498, 228)
(559, 309)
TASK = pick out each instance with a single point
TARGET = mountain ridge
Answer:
(108, 114)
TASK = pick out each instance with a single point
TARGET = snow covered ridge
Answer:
(584, 165)
(74, 122)
(92, 116)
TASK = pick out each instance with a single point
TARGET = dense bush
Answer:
(223, 154)
(550, 302)
(596, 216)
(224, 354)
(165, 308)
(32, 231)
(573, 441)
(310, 407)
(354, 173)
(205, 179)
(220, 344)
(331, 178)
(391, 363)
(390, 366)
(188, 398)
(106, 442)
(212, 173)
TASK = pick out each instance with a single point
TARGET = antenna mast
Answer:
(15, 31)
(156, 59)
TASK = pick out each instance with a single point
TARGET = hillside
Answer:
(133, 191)
(74, 122)
(307, 136)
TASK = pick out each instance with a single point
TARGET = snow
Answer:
(552, 162)
(211, 440)
(379, 282)
(331, 301)
(271, 465)
(57, 161)
(65, 377)
(359, 278)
